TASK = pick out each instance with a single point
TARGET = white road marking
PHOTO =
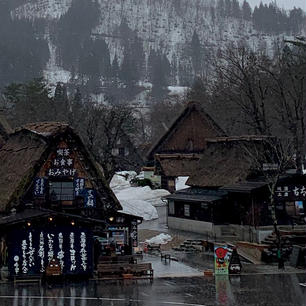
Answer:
(93, 298)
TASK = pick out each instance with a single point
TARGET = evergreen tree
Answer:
(73, 29)
(30, 102)
(159, 73)
(246, 11)
(227, 8)
(198, 91)
(196, 53)
(128, 73)
(138, 56)
(296, 20)
(235, 9)
(61, 103)
(115, 69)
(221, 8)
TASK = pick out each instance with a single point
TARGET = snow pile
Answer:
(121, 180)
(139, 208)
(159, 239)
(180, 183)
(138, 201)
(142, 193)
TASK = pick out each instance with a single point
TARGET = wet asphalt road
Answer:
(272, 290)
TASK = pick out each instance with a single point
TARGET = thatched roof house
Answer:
(226, 162)
(55, 204)
(27, 151)
(188, 133)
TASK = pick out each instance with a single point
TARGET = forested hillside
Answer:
(116, 48)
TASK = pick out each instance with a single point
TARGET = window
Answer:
(115, 151)
(121, 152)
(61, 191)
(204, 205)
(187, 210)
(171, 208)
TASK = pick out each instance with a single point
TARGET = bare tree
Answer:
(289, 91)
(103, 127)
(241, 80)
(270, 158)
(270, 93)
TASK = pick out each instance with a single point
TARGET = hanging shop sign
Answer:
(89, 197)
(222, 256)
(134, 233)
(31, 251)
(291, 192)
(40, 186)
(79, 185)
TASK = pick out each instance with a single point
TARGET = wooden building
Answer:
(176, 152)
(228, 193)
(54, 200)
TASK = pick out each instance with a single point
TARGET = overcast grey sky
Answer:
(286, 4)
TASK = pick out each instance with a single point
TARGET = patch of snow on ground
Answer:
(139, 208)
(53, 73)
(121, 180)
(177, 90)
(43, 9)
(57, 74)
(159, 239)
(140, 201)
(180, 183)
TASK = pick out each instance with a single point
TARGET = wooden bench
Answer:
(143, 270)
(111, 269)
(118, 259)
(154, 247)
(27, 279)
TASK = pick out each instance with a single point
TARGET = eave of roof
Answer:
(33, 213)
(244, 187)
(192, 198)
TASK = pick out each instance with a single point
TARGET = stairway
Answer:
(288, 239)
(190, 246)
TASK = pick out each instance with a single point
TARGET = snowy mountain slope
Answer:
(164, 25)
(42, 9)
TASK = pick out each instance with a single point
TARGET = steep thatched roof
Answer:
(5, 128)
(224, 162)
(25, 152)
(191, 107)
(177, 164)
